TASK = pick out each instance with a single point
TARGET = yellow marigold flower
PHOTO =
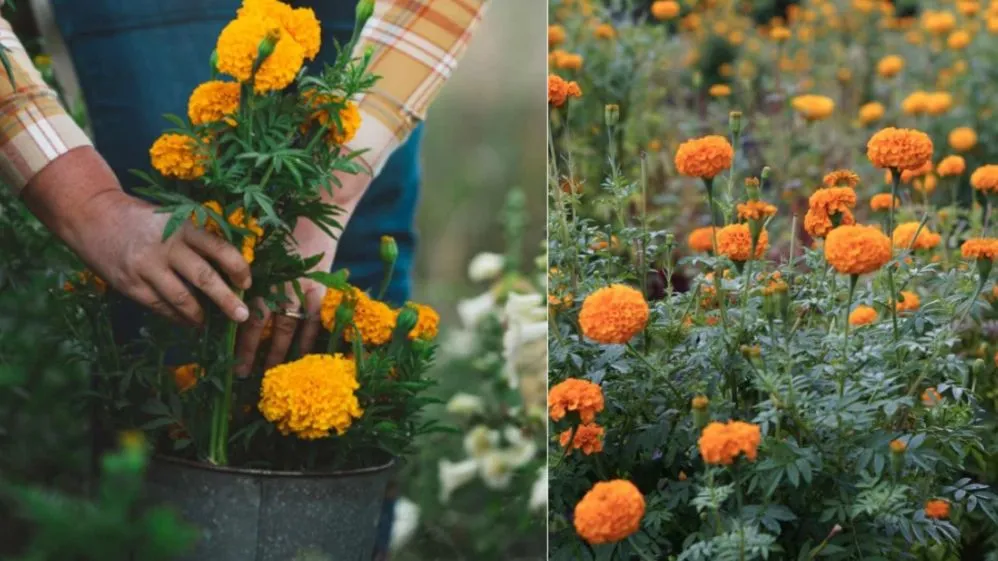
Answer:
(580, 396)
(663, 10)
(985, 179)
(951, 165)
(720, 90)
(938, 23)
(735, 242)
(862, 315)
(857, 249)
(604, 31)
(842, 178)
(374, 319)
(902, 149)
(890, 66)
(178, 156)
(701, 240)
(704, 157)
(779, 33)
(349, 116)
(556, 35)
(212, 101)
(567, 61)
(958, 40)
(915, 103)
(755, 210)
(980, 248)
(905, 233)
(938, 509)
(87, 278)
(722, 443)
(187, 376)
(559, 90)
(882, 201)
(311, 396)
(937, 103)
(255, 232)
(931, 397)
(968, 7)
(300, 23)
(908, 302)
(428, 324)
(898, 447)
(813, 107)
(588, 438)
(238, 48)
(962, 139)
(611, 511)
(871, 112)
(601, 243)
(613, 314)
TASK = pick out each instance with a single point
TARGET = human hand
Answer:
(120, 238)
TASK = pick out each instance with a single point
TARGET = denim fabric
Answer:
(138, 60)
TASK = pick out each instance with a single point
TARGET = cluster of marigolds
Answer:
(615, 314)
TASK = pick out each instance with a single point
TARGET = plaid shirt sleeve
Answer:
(34, 127)
(416, 44)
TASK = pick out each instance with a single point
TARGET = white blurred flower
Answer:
(480, 440)
(485, 266)
(497, 469)
(465, 404)
(522, 449)
(525, 308)
(459, 343)
(526, 323)
(473, 310)
(454, 475)
(406, 522)
(539, 492)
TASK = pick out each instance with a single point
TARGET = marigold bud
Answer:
(735, 123)
(898, 447)
(267, 46)
(407, 319)
(700, 402)
(364, 11)
(389, 250)
(213, 61)
(344, 314)
(611, 114)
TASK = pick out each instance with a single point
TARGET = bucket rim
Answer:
(267, 473)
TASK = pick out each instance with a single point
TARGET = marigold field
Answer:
(772, 301)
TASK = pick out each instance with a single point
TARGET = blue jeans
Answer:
(140, 59)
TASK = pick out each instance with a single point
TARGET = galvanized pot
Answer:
(261, 515)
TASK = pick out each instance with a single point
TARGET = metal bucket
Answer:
(261, 515)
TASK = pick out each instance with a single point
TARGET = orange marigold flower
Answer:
(813, 107)
(735, 241)
(827, 208)
(871, 112)
(755, 210)
(186, 376)
(985, 179)
(604, 31)
(962, 139)
(938, 509)
(178, 156)
(588, 438)
(890, 66)
(556, 35)
(722, 443)
(427, 324)
(613, 314)
(951, 165)
(665, 10)
(701, 239)
(980, 248)
(902, 149)
(559, 90)
(566, 61)
(908, 302)
(580, 396)
(348, 113)
(882, 201)
(704, 157)
(841, 178)
(958, 40)
(904, 235)
(931, 397)
(719, 90)
(87, 278)
(857, 249)
(937, 103)
(898, 446)
(862, 315)
(213, 101)
(609, 512)
(916, 103)
(779, 33)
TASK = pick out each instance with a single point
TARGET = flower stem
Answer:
(853, 280)
(218, 453)
(713, 240)
(651, 367)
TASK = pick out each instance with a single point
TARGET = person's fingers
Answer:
(170, 290)
(312, 324)
(201, 274)
(145, 295)
(284, 333)
(250, 334)
(224, 254)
